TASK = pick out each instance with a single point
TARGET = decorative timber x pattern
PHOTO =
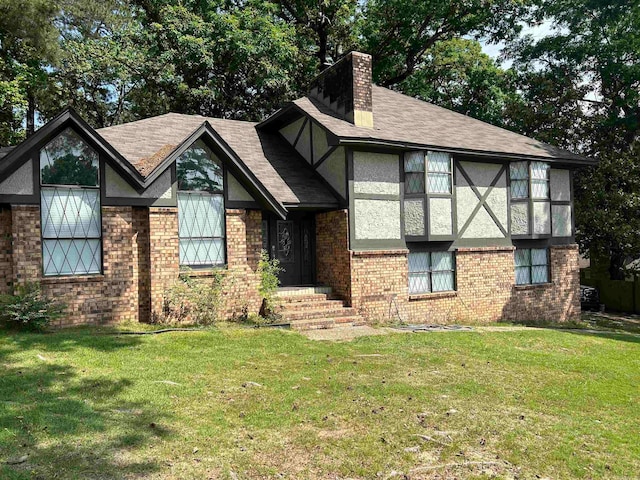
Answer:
(482, 200)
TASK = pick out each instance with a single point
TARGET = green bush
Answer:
(268, 271)
(193, 300)
(29, 308)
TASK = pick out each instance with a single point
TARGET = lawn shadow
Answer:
(67, 422)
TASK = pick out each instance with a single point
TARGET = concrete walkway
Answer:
(349, 333)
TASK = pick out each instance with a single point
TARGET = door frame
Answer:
(306, 271)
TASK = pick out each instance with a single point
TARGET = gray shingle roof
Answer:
(403, 119)
(146, 143)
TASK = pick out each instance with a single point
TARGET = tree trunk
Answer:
(322, 47)
(31, 115)
(616, 264)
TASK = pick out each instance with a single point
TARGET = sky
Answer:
(538, 32)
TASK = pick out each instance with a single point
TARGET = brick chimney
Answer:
(345, 87)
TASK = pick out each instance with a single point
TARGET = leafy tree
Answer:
(400, 34)
(99, 63)
(456, 74)
(213, 59)
(27, 45)
(587, 73)
(324, 28)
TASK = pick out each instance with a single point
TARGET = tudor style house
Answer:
(380, 207)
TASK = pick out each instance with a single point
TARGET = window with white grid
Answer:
(70, 207)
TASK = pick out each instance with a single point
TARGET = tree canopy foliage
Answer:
(578, 86)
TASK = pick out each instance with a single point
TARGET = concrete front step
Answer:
(317, 323)
(319, 297)
(302, 291)
(322, 313)
(312, 308)
(291, 307)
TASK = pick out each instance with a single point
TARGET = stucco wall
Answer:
(236, 191)
(290, 132)
(334, 172)
(440, 221)
(560, 185)
(19, 182)
(414, 223)
(376, 173)
(304, 143)
(118, 187)
(377, 219)
(481, 225)
(320, 144)
(519, 218)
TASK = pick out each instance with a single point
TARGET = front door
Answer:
(292, 242)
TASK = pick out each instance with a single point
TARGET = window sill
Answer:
(432, 295)
(203, 272)
(98, 277)
(533, 286)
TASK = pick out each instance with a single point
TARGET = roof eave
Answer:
(65, 118)
(577, 160)
(207, 131)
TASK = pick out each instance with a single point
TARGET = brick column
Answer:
(6, 258)
(333, 259)
(119, 289)
(27, 244)
(244, 243)
(164, 254)
(142, 273)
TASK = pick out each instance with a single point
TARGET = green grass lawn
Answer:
(241, 403)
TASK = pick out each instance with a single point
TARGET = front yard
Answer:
(240, 403)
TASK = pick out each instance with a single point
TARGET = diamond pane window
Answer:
(414, 172)
(68, 160)
(70, 207)
(201, 229)
(431, 272)
(540, 180)
(70, 219)
(519, 172)
(532, 266)
(419, 269)
(439, 172)
(198, 169)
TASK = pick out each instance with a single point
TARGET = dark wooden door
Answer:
(292, 242)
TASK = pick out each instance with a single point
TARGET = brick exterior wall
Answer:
(141, 258)
(6, 262)
(333, 259)
(164, 255)
(90, 299)
(244, 244)
(27, 246)
(485, 278)
(140, 261)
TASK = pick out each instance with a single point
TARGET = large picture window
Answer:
(431, 272)
(70, 207)
(201, 219)
(532, 265)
